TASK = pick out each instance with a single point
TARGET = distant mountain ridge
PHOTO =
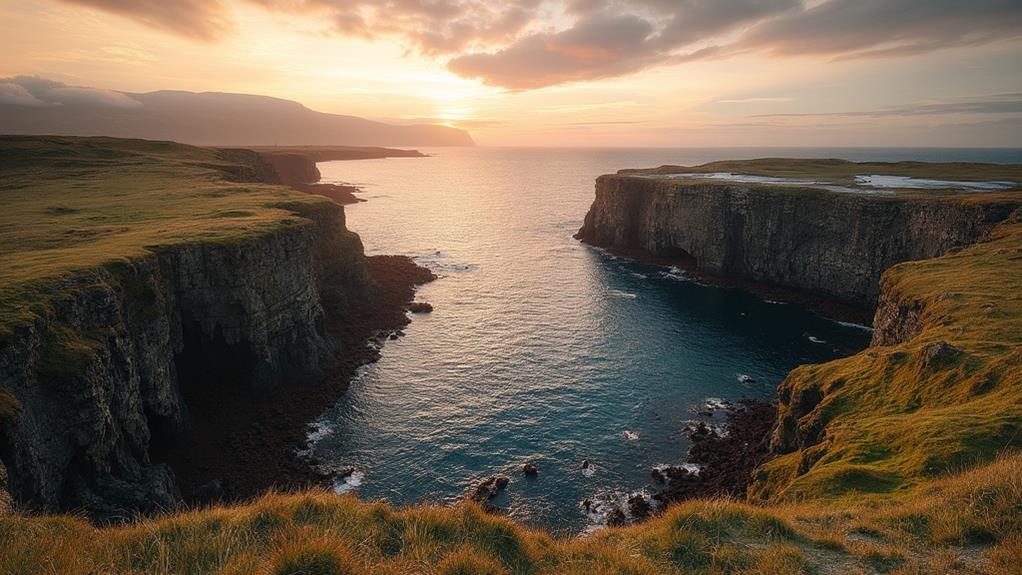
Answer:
(35, 106)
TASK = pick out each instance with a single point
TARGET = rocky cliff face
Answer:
(832, 244)
(101, 372)
(293, 168)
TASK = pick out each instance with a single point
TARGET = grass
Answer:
(317, 532)
(78, 204)
(888, 420)
(897, 460)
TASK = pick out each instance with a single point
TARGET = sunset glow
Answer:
(534, 72)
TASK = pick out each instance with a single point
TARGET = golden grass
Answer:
(968, 523)
(890, 419)
(74, 204)
(906, 478)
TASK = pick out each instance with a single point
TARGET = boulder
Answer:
(489, 488)
(420, 307)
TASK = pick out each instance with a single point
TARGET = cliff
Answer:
(146, 267)
(827, 243)
(939, 389)
(904, 458)
(296, 165)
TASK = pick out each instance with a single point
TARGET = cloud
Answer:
(205, 20)
(597, 47)
(611, 39)
(687, 30)
(872, 28)
(13, 94)
(34, 91)
(755, 100)
(528, 44)
(997, 104)
(432, 27)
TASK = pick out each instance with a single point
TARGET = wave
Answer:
(853, 325)
(349, 482)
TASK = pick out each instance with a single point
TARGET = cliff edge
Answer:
(781, 222)
(932, 248)
(130, 269)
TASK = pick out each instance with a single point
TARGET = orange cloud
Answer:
(528, 44)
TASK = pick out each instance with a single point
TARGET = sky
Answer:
(674, 73)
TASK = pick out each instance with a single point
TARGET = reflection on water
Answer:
(540, 348)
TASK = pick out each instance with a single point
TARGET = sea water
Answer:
(543, 349)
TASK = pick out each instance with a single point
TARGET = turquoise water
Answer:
(541, 348)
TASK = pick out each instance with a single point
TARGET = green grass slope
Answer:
(889, 419)
(73, 204)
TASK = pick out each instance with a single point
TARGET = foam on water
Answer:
(717, 403)
(349, 482)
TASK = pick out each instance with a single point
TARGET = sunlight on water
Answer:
(540, 348)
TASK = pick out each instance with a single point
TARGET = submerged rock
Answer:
(699, 431)
(420, 307)
(639, 507)
(616, 517)
(489, 488)
(530, 469)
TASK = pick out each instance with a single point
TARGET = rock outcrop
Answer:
(827, 243)
(101, 371)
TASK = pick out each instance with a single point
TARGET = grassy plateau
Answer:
(843, 173)
(914, 467)
(73, 204)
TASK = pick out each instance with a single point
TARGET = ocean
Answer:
(543, 349)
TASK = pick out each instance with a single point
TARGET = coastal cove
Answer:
(544, 377)
(601, 348)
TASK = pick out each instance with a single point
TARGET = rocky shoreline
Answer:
(726, 459)
(244, 442)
